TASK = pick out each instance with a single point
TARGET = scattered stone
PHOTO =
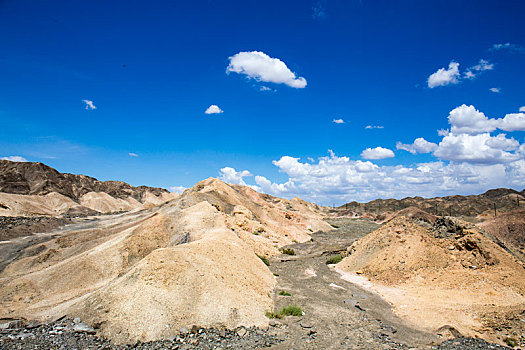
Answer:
(83, 328)
(306, 324)
(184, 330)
(241, 332)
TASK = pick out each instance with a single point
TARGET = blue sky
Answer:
(153, 68)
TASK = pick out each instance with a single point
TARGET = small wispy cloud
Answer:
(265, 88)
(213, 109)
(522, 109)
(338, 121)
(177, 189)
(89, 105)
(495, 90)
(374, 127)
(131, 154)
(482, 66)
(507, 46)
(14, 158)
(319, 10)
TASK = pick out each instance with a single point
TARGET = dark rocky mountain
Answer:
(503, 199)
(38, 179)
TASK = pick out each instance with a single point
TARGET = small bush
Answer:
(288, 251)
(334, 259)
(276, 274)
(511, 342)
(291, 310)
(334, 226)
(271, 314)
(256, 233)
(264, 260)
(285, 293)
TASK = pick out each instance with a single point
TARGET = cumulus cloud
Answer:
(468, 120)
(89, 105)
(177, 189)
(14, 158)
(512, 122)
(261, 67)
(444, 76)
(420, 145)
(495, 90)
(338, 121)
(468, 159)
(374, 127)
(213, 109)
(480, 148)
(230, 175)
(377, 153)
(482, 66)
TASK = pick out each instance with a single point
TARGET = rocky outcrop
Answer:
(28, 178)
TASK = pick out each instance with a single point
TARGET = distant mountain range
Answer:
(503, 199)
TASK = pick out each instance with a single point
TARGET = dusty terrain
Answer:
(145, 274)
(509, 228)
(338, 314)
(449, 276)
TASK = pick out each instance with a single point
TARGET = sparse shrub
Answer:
(276, 274)
(309, 229)
(256, 233)
(271, 314)
(334, 226)
(511, 342)
(288, 251)
(291, 310)
(264, 260)
(285, 293)
(334, 259)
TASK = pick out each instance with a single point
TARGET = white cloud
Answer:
(468, 159)
(230, 175)
(89, 104)
(468, 120)
(512, 122)
(131, 154)
(177, 189)
(213, 109)
(338, 121)
(480, 148)
(522, 109)
(14, 158)
(420, 145)
(261, 67)
(377, 153)
(482, 66)
(265, 88)
(507, 46)
(495, 90)
(374, 127)
(445, 76)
